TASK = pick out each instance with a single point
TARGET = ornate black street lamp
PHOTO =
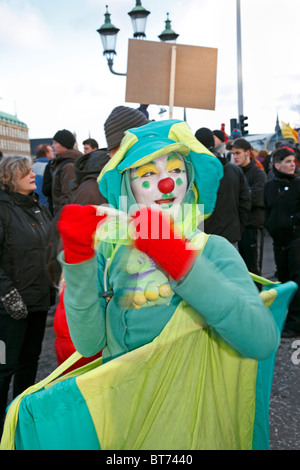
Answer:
(108, 32)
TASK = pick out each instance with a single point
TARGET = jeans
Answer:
(23, 344)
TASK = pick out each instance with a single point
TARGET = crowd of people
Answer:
(49, 206)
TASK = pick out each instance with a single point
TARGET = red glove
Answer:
(77, 225)
(156, 237)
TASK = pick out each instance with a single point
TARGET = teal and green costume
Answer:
(205, 346)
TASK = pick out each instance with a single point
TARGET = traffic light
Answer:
(243, 124)
(233, 124)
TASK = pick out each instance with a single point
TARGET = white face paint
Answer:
(162, 182)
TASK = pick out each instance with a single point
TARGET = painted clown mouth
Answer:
(165, 201)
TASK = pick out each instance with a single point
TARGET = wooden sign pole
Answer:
(172, 82)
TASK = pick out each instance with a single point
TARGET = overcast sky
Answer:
(53, 73)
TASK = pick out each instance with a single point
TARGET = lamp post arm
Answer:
(110, 64)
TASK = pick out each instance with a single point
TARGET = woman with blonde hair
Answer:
(24, 286)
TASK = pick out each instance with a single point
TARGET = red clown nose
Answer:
(166, 186)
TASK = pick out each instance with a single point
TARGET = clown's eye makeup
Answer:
(174, 165)
(146, 170)
(175, 170)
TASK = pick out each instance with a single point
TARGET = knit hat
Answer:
(205, 137)
(235, 134)
(282, 153)
(220, 134)
(120, 120)
(288, 145)
(241, 144)
(65, 138)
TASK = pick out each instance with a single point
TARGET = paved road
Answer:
(284, 403)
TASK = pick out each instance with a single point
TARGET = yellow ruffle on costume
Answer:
(187, 389)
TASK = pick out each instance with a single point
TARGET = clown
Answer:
(180, 321)
(158, 173)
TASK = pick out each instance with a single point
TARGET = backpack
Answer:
(61, 167)
(48, 179)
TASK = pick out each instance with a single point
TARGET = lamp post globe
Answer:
(138, 17)
(108, 33)
(168, 35)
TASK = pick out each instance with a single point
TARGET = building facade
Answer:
(14, 136)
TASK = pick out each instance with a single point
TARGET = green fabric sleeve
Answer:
(220, 288)
(85, 309)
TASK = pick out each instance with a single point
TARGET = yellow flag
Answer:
(288, 132)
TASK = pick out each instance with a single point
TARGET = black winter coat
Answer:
(63, 174)
(233, 204)
(256, 178)
(23, 228)
(282, 204)
(85, 189)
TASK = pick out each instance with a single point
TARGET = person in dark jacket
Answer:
(84, 189)
(282, 204)
(24, 287)
(256, 177)
(233, 203)
(63, 167)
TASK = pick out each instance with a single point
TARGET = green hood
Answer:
(146, 143)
